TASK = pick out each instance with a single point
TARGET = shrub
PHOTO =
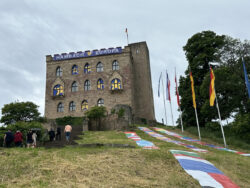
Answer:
(213, 126)
(69, 120)
(241, 126)
(24, 127)
(121, 112)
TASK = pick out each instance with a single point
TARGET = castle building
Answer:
(75, 82)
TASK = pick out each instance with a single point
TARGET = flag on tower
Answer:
(246, 78)
(211, 88)
(192, 86)
(168, 88)
(177, 92)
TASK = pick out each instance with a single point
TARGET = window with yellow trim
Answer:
(100, 84)
(116, 84)
(74, 69)
(85, 105)
(87, 68)
(58, 90)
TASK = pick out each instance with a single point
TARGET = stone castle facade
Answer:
(75, 82)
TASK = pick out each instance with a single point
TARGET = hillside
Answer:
(82, 166)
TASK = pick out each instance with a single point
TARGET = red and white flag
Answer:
(168, 88)
(177, 92)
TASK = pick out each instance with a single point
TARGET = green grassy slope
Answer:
(110, 167)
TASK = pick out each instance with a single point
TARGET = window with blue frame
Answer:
(86, 85)
(58, 90)
(85, 105)
(87, 68)
(99, 67)
(74, 69)
(116, 84)
(100, 84)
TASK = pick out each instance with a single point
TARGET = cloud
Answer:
(32, 29)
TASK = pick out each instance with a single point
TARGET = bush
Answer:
(96, 112)
(213, 126)
(69, 120)
(24, 127)
(121, 112)
(241, 126)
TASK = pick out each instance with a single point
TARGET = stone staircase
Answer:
(76, 131)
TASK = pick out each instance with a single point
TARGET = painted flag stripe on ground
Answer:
(140, 142)
(163, 138)
(203, 171)
(161, 130)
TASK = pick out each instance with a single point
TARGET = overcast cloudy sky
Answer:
(32, 29)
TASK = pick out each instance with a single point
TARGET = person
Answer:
(51, 135)
(58, 133)
(67, 131)
(34, 136)
(18, 139)
(29, 139)
(8, 138)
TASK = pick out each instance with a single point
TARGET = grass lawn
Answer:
(110, 167)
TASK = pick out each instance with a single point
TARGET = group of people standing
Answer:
(57, 136)
(31, 137)
(17, 138)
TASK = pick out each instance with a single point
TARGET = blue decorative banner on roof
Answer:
(74, 55)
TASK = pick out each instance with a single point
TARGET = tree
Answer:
(19, 111)
(200, 49)
(96, 113)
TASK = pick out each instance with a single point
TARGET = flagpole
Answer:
(178, 104)
(164, 101)
(181, 119)
(127, 34)
(197, 121)
(194, 102)
(218, 109)
(171, 112)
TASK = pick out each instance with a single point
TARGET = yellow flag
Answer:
(211, 88)
(192, 86)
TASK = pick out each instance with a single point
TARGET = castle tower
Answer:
(77, 81)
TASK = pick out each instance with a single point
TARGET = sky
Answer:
(32, 29)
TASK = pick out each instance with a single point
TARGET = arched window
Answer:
(99, 67)
(85, 105)
(58, 90)
(74, 87)
(60, 107)
(116, 84)
(74, 69)
(100, 84)
(115, 65)
(100, 102)
(72, 106)
(87, 85)
(58, 71)
(87, 68)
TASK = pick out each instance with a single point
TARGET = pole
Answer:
(171, 113)
(217, 105)
(178, 104)
(164, 101)
(197, 121)
(181, 119)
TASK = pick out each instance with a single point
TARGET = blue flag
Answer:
(246, 78)
(159, 86)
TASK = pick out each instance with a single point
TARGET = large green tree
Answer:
(19, 111)
(204, 49)
(201, 49)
